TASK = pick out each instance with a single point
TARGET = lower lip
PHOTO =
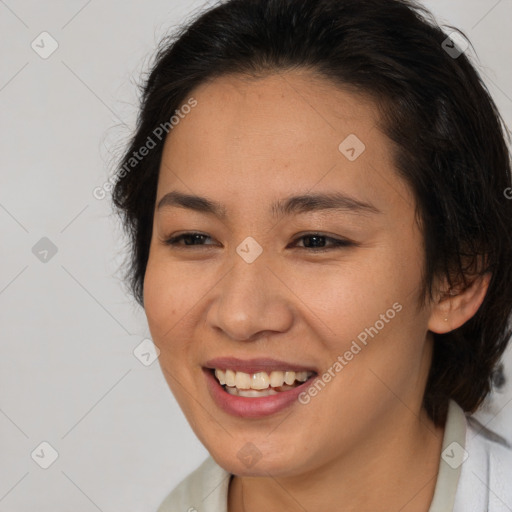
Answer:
(257, 407)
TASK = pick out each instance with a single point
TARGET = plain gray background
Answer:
(68, 375)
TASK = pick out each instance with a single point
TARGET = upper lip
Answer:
(261, 364)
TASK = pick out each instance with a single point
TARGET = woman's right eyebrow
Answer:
(177, 199)
(294, 205)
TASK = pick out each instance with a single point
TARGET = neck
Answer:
(395, 469)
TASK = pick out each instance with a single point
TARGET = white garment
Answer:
(485, 483)
(475, 474)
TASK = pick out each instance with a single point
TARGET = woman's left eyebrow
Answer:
(336, 201)
(293, 205)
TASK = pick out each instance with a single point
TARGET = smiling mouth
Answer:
(261, 383)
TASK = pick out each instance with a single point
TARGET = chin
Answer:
(249, 460)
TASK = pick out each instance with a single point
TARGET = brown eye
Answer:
(316, 242)
(188, 238)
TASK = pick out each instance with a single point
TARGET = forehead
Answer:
(296, 105)
(284, 133)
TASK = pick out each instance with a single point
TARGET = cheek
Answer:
(174, 297)
(168, 315)
(364, 307)
(156, 301)
(345, 297)
(165, 293)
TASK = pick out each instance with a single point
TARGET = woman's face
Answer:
(253, 287)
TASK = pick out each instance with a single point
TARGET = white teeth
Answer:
(289, 378)
(276, 379)
(242, 380)
(251, 393)
(260, 380)
(221, 376)
(302, 376)
(230, 377)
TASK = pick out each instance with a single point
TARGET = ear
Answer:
(455, 307)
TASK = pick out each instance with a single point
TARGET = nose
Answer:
(252, 302)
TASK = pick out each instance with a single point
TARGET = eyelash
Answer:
(336, 243)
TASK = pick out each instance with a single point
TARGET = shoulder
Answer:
(485, 480)
(205, 489)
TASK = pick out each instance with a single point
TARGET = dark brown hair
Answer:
(448, 138)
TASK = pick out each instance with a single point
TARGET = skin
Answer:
(247, 143)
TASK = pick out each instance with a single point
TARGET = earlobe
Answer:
(456, 307)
